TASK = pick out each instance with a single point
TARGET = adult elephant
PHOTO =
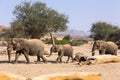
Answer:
(33, 47)
(104, 47)
(63, 50)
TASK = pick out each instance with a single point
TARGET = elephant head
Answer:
(18, 43)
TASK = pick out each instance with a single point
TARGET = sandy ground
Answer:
(109, 71)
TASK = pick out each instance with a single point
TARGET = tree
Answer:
(102, 30)
(33, 20)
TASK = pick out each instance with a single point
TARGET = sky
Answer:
(81, 13)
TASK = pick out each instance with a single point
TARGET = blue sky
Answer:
(82, 13)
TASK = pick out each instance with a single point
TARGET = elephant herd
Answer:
(35, 47)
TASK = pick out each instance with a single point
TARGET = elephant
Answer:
(63, 50)
(32, 47)
(104, 47)
(83, 59)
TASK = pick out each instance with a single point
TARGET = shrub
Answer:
(78, 42)
(64, 41)
(67, 37)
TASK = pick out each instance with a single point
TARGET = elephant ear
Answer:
(19, 43)
(101, 44)
(23, 43)
(14, 41)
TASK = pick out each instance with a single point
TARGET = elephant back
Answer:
(35, 45)
(111, 47)
(68, 50)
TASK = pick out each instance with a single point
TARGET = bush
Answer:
(78, 42)
(64, 41)
(67, 37)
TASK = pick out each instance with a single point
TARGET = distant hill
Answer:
(3, 28)
(76, 34)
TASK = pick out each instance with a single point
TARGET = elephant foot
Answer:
(27, 62)
(72, 61)
(45, 61)
(37, 62)
(56, 62)
(67, 62)
(9, 61)
(15, 62)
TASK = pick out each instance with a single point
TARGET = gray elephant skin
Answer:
(104, 47)
(33, 47)
(63, 50)
(83, 59)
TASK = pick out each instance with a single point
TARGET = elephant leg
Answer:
(93, 53)
(26, 57)
(59, 59)
(72, 58)
(16, 57)
(68, 59)
(38, 58)
(44, 59)
(9, 56)
(102, 52)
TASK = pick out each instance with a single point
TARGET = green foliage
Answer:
(67, 37)
(115, 37)
(102, 30)
(33, 20)
(64, 41)
(77, 42)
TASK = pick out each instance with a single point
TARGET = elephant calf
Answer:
(104, 47)
(63, 50)
(83, 59)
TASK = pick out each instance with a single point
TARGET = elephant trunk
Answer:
(52, 39)
(50, 52)
(53, 43)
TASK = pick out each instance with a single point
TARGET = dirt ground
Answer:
(109, 71)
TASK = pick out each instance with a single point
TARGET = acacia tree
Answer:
(102, 30)
(33, 20)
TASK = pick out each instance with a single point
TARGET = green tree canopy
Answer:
(102, 30)
(33, 20)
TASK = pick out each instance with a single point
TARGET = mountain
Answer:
(74, 33)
